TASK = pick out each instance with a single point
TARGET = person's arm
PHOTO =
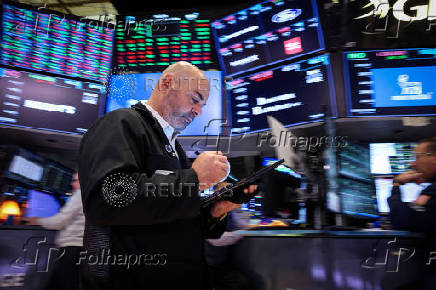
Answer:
(111, 152)
(60, 220)
(410, 216)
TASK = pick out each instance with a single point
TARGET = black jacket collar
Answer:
(148, 116)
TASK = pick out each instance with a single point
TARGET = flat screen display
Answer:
(267, 33)
(127, 89)
(49, 42)
(391, 158)
(25, 167)
(152, 42)
(293, 94)
(390, 82)
(37, 101)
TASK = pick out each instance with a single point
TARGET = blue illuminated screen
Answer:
(40, 204)
(281, 168)
(126, 90)
(390, 82)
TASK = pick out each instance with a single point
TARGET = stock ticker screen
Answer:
(267, 33)
(48, 103)
(294, 94)
(151, 43)
(53, 43)
(390, 82)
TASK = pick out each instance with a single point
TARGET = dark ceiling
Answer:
(211, 9)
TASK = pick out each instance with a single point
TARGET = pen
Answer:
(229, 175)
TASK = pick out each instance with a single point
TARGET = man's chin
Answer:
(180, 128)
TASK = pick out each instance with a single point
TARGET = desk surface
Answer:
(289, 233)
(330, 234)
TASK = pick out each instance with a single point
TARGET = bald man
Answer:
(144, 226)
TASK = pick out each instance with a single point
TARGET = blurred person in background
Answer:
(70, 223)
(418, 216)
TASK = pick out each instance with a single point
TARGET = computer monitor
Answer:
(390, 82)
(383, 187)
(41, 204)
(391, 158)
(25, 167)
(151, 42)
(56, 178)
(126, 90)
(267, 33)
(358, 198)
(293, 94)
(355, 186)
(31, 100)
(49, 41)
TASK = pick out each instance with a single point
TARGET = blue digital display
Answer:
(41, 204)
(267, 33)
(404, 87)
(390, 82)
(126, 90)
(281, 168)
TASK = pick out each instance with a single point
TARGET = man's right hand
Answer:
(211, 167)
(407, 177)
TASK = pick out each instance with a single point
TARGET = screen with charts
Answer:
(41, 40)
(127, 89)
(267, 33)
(48, 103)
(152, 42)
(383, 188)
(293, 94)
(390, 82)
(391, 158)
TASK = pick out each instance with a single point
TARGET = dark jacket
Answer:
(118, 158)
(411, 217)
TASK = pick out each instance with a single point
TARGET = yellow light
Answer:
(9, 207)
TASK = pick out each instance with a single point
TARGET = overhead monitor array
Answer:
(151, 43)
(54, 43)
(267, 33)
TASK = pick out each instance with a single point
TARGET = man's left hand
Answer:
(222, 207)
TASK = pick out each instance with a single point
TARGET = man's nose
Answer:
(196, 111)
